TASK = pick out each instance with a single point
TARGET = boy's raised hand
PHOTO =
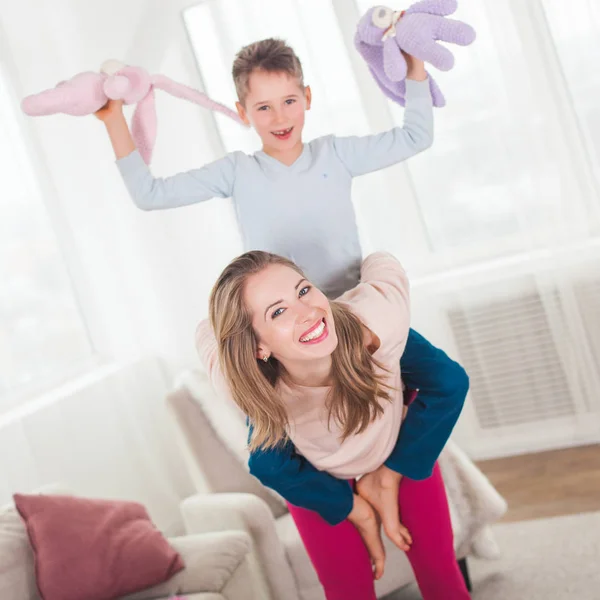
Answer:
(111, 109)
(111, 114)
(415, 68)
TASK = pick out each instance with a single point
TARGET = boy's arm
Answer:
(362, 155)
(150, 193)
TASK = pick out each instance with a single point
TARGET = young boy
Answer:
(294, 199)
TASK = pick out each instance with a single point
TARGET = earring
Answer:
(265, 358)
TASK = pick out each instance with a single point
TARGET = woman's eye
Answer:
(304, 290)
(277, 313)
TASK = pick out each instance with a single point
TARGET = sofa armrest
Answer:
(214, 563)
(250, 514)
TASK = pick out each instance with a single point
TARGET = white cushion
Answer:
(17, 576)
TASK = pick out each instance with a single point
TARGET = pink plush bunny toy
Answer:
(87, 92)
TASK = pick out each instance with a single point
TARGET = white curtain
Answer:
(513, 272)
(498, 222)
(91, 287)
(42, 333)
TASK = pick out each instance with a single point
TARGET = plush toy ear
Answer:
(394, 63)
(79, 96)
(442, 8)
(144, 121)
(143, 126)
(191, 95)
(438, 98)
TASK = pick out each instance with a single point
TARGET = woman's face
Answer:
(291, 318)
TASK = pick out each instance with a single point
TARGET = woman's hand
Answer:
(380, 490)
(364, 518)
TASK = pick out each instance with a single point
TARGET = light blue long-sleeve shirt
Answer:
(303, 211)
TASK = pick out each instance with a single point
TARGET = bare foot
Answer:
(366, 521)
(380, 490)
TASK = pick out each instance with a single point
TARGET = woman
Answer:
(320, 381)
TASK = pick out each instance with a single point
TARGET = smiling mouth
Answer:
(283, 133)
(315, 333)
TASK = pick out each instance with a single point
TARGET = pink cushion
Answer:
(94, 549)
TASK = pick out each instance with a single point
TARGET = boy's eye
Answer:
(304, 290)
(263, 108)
(277, 313)
(290, 101)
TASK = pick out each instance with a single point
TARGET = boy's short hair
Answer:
(272, 56)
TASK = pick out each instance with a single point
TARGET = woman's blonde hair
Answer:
(356, 389)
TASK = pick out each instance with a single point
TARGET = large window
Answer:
(509, 158)
(42, 335)
(575, 30)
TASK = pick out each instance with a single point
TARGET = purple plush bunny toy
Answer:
(382, 34)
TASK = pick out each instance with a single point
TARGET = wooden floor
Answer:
(559, 482)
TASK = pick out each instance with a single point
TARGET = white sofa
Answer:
(239, 502)
(218, 564)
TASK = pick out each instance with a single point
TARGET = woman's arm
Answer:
(382, 302)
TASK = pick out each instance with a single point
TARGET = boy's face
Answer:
(275, 105)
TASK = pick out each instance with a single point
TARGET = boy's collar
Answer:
(273, 159)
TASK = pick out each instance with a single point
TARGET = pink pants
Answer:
(342, 563)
